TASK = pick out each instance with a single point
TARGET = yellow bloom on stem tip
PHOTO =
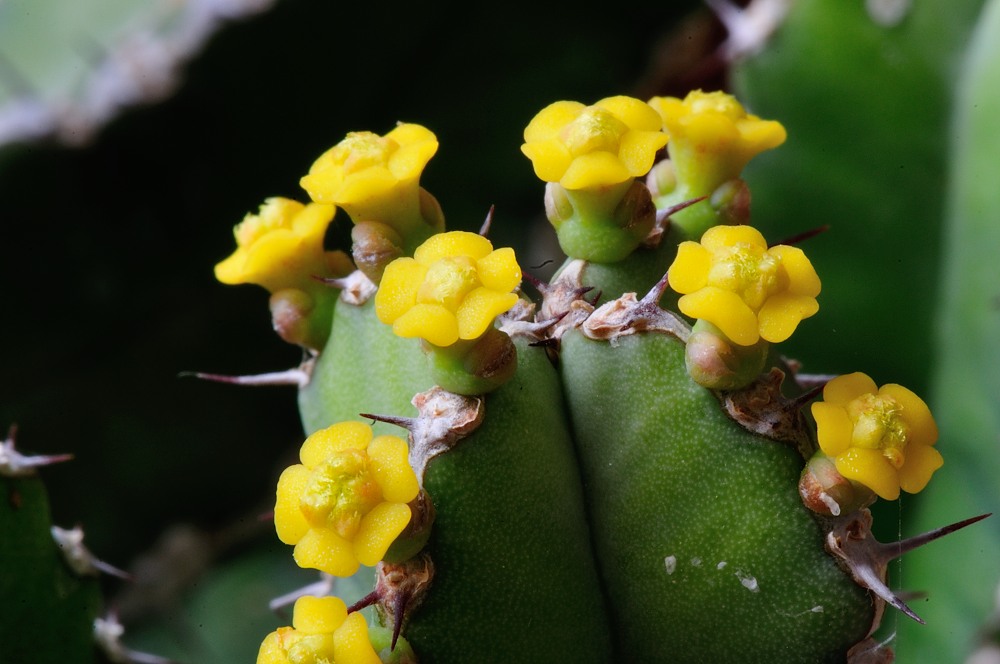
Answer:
(347, 501)
(365, 166)
(712, 137)
(734, 281)
(881, 437)
(452, 288)
(321, 631)
(582, 147)
(280, 246)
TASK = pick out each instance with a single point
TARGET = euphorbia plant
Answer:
(620, 467)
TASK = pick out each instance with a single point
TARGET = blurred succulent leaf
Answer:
(66, 68)
(965, 568)
(867, 107)
(48, 611)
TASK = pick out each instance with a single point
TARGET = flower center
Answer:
(715, 102)
(340, 492)
(447, 281)
(364, 149)
(746, 270)
(312, 649)
(879, 425)
(595, 129)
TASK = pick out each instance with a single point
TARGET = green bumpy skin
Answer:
(707, 551)
(365, 368)
(515, 577)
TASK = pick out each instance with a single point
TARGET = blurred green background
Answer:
(108, 237)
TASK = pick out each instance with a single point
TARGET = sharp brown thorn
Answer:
(397, 618)
(536, 283)
(666, 212)
(801, 237)
(365, 601)
(405, 422)
(295, 377)
(336, 282)
(657, 291)
(799, 402)
(892, 550)
(488, 222)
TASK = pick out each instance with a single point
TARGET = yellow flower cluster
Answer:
(452, 288)
(881, 437)
(366, 168)
(583, 147)
(280, 247)
(749, 291)
(347, 501)
(712, 137)
(321, 631)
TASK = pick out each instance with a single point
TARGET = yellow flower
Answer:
(732, 280)
(366, 167)
(322, 631)
(280, 247)
(712, 137)
(583, 147)
(880, 437)
(452, 288)
(347, 501)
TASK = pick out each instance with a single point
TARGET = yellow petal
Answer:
(921, 462)
(428, 321)
(289, 522)
(758, 135)
(409, 133)
(833, 427)
(390, 464)
(322, 184)
(499, 270)
(550, 159)
(478, 310)
(923, 428)
(378, 529)
(351, 644)
(844, 389)
(725, 310)
(637, 150)
(372, 182)
(594, 169)
(452, 243)
(326, 551)
(311, 223)
(802, 277)
(397, 292)
(318, 615)
(689, 271)
(408, 162)
(782, 313)
(551, 119)
(635, 113)
(723, 237)
(327, 442)
(871, 468)
(230, 271)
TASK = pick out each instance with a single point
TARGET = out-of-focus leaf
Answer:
(964, 569)
(866, 107)
(47, 611)
(66, 68)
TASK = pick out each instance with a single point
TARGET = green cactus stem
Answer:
(513, 574)
(706, 549)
